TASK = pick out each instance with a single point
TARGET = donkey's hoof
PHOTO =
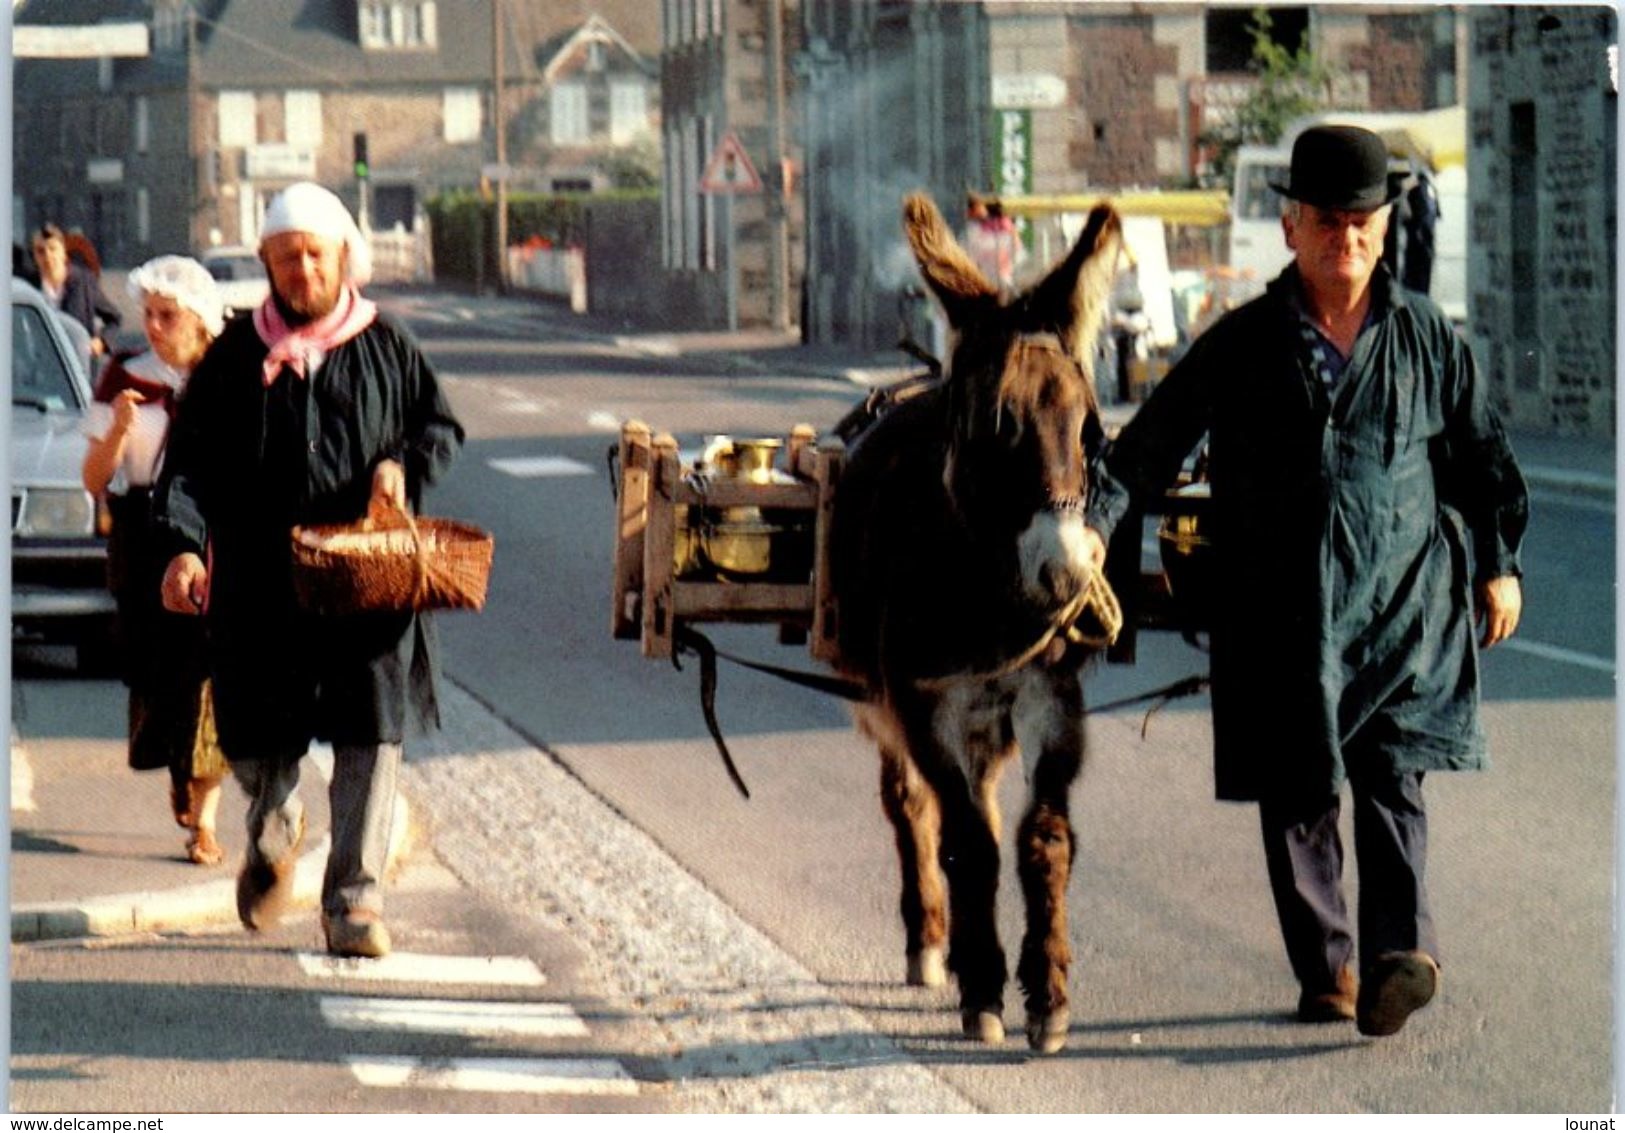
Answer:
(1046, 1034)
(926, 968)
(984, 1026)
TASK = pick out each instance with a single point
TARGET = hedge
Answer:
(461, 223)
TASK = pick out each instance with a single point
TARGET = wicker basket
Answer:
(393, 562)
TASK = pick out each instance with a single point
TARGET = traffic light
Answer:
(361, 169)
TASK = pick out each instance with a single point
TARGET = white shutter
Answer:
(461, 110)
(236, 111)
(302, 114)
(628, 112)
(569, 113)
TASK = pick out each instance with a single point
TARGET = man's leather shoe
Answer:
(1398, 985)
(360, 932)
(265, 889)
(1329, 1006)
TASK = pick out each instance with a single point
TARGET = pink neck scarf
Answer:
(302, 348)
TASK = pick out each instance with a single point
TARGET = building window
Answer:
(628, 112)
(168, 27)
(569, 114)
(236, 109)
(460, 107)
(386, 24)
(1230, 36)
(140, 125)
(669, 27)
(104, 73)
(143, 218)
(596, 56)
(302, 118)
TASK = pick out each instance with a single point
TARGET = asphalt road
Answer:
(750, 952)
(1180, 989)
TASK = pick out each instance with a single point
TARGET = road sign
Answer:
(729, 169)
(1029, 91)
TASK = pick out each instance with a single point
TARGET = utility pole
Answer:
(195, 238)
(778, 204)
(500, 124)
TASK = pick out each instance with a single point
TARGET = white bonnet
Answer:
(184, 280)
(307, 207)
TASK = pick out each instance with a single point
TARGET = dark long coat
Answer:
(1342, 524)
(245, 463)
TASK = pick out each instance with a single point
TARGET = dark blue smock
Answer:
(1349, 526)
(244, 464)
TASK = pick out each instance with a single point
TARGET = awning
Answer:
(1202, 207)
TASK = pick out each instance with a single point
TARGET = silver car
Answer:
(239, 275)
(58, 546)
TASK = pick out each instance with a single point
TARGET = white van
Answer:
(1258, 248)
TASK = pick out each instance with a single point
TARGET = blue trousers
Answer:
(1303, 850)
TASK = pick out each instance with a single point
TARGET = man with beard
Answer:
(317, 409)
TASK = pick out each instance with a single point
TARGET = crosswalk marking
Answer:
(468, 1018)
(411, 967)
(599, 1076)
(526, 467)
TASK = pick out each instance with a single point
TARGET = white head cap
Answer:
(184, 280)
(307, 207)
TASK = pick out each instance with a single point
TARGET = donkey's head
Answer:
(1023, 414)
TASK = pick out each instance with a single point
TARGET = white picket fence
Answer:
(399, 256)
(558, 272)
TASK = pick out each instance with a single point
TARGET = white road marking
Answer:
(1558, 653)
(22, 777)
(468, 1018)
(652, 345)
(605, 422)
(411, 967)
(526, 467)
(600, 1076)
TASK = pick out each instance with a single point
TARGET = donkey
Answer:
(960, 573)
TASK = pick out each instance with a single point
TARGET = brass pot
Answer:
(686, 558)
(755, 458)
(1186, 545)
(740, 544)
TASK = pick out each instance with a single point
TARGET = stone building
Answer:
(181, 149)
(1045, 97)
(1542, 162)
(729, 258)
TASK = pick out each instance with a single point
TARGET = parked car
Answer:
(58, 541)
(240, 276)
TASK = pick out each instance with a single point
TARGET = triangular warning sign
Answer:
(729, 169)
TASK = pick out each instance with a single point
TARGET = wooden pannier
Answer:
(679, 559)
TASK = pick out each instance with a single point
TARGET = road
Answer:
(751, 949)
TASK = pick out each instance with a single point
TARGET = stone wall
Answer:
(1542, 168)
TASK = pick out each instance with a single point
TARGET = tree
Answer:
(1292, 82)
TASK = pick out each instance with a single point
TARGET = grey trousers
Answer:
(361, 799)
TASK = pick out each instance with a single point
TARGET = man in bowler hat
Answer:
(1366, 508)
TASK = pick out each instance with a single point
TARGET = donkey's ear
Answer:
(950, 273)
(1073, 297)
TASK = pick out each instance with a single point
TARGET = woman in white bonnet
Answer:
(161, 654)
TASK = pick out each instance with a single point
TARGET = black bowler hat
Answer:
(1339, 167)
